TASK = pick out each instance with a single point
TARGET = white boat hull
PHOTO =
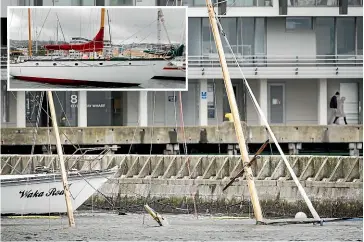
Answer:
(43, 193)
(83, 72)
(176, 70)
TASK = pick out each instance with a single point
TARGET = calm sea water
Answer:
(150, 84)
(113, 227)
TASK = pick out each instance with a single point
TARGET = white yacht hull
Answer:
(175, 71)
(43, 193)
(133, 72)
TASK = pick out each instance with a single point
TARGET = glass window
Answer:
(194, 36)
(201, 2)
(25, 3)
(63, 2)
(346, 36)
(104, 109)
(244, 3)
(325, 36)
(170, 3)
(246, 36)
(121, 3)
(229, 26)
(300, 23)
(211, 107)
(359, 35)
(208, 44)
(259, 42)
(5, 105)
(355, 3)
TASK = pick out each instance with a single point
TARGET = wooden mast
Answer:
(235, 113)
(71, 219)
(29, 35)
(102, 23)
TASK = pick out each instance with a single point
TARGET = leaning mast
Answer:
(235, 113)
(71, 219)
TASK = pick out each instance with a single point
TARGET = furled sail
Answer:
(97, 44)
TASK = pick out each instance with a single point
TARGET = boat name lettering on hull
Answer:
(37, 193)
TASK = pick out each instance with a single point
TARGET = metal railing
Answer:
(229, 3)
(278, 61)
(322, 3)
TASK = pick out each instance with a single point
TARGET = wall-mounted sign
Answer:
(203, 95)
(96, 105)
(172, 98)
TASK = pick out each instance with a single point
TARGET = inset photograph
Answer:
(65, 48)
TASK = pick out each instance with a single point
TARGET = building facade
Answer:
(295, 55)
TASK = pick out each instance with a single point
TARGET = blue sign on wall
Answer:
(203, 95)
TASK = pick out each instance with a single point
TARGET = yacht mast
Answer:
(29, 35)
(71, 219)
(235, 113)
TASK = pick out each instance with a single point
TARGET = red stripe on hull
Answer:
(174, 68)
(51, 80)
(73, 82)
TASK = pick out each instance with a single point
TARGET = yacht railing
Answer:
(212, 60)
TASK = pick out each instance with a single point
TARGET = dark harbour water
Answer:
(150, 84)
(112, 227)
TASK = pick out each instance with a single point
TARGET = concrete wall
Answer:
(289, 42)
(326, 180)
(301, 101)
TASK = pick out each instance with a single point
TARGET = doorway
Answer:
(276, 99)
(350, 91)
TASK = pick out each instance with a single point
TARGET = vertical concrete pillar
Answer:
(82, 109)
(203, 103)
(143, 108)
(20, 110)
(263, 98)
(322, 102)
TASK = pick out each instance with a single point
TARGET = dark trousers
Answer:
(338, 118)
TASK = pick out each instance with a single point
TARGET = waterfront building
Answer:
(295, 54)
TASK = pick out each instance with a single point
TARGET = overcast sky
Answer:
(85, 22)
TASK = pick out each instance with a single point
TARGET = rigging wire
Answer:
(35, 133)
(37, 37)
(59, 22)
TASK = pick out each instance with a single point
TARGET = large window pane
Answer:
(259, 43)
(229, 26)
(246, 36)
(299, 23)
(355, 3)
(62, 2)
(359, 35)
(5, 104)
(208, 44)
(104, 109)
(325, 36)
(245, 3)
(199, 3)
(346, 36)
(121, 2)
(194, 36)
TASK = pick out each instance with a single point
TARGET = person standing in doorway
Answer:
(340, 110)
(333, 105)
